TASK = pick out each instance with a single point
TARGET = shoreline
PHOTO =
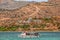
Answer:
(30, 31)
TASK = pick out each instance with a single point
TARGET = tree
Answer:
(25, 26)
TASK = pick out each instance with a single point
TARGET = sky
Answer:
(33, 0)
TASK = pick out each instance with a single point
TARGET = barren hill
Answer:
(32, 10)
(11, 4)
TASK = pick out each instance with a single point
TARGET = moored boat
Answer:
(29, 34)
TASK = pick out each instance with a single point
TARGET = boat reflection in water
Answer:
(29, 34)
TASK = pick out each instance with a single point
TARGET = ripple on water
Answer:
(43, 36)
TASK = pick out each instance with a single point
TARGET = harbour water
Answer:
(42, 36)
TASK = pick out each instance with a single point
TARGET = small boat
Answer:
(29, 34)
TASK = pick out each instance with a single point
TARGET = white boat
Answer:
(28, 35)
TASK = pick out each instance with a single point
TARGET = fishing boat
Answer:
(29, 34)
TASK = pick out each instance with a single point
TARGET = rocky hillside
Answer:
(54, 1)
(31, 10)
(11, 4)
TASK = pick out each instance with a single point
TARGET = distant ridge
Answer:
(14, 5)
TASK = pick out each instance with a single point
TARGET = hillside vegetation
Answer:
(43, 16)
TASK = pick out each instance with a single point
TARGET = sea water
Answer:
(42, 36)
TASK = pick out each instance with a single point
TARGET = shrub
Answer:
(24, 26)
(35, 26)
(43, 25)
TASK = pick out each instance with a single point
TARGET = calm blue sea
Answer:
(43, 36)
